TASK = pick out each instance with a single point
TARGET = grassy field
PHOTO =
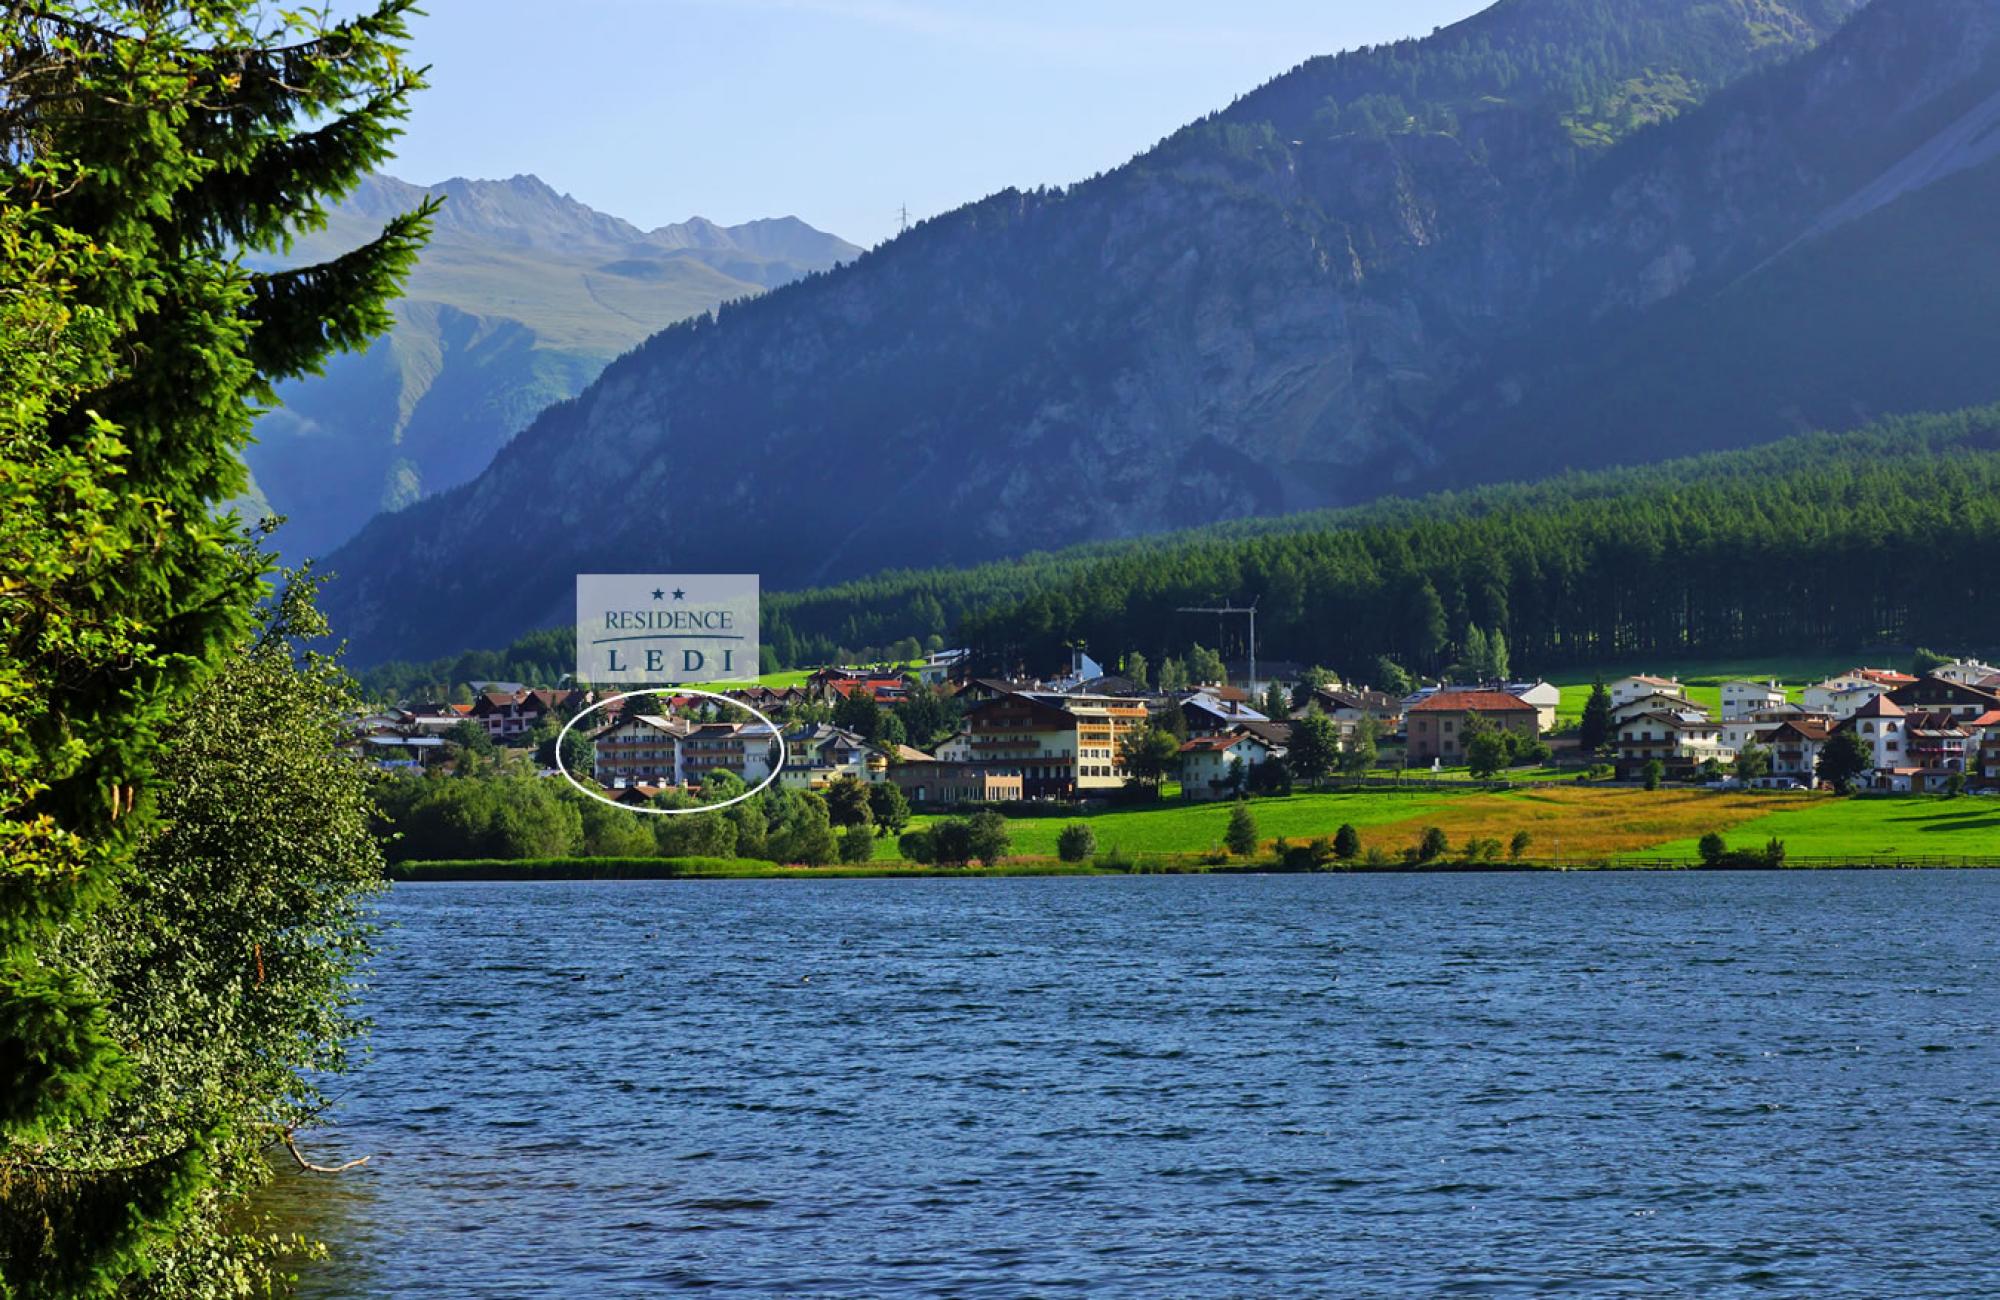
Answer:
(1568, 825)
(1704, 678)
(1168, 828)
(1867, 828)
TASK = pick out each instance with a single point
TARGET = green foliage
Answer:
(1315, 747)
(1137, 669)
(227, 958)
(499, 816)
(1517, 848)
(1076, 843)
(1358, 755)
(1241, 838)
(888, 808)
(859, 712)
(1594, 732)
(1655, 771)
(1346, 843)
(1205, 668)
(847, 802)
(1486, 753)
(1925, 662)
(988, 837)
(1151, 754)
(1844, 760)
(857, 845)
(1713, 848)
(927, 715)
(146, 147)
(1433, 846)
(1392, 677)
(918, 847)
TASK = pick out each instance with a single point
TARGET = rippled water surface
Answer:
(1635, 1085)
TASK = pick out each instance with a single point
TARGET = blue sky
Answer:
(842, 111)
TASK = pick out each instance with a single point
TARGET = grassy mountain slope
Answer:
(521, 299)
(1263, 314)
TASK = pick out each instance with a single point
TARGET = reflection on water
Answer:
(1172, 1086)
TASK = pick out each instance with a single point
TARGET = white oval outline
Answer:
(759, 788)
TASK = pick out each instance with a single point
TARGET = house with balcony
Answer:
(1063, 746)
(820, 753)
(1795, 746)
(1219, 767)
(1681, 742)
(639, 749)
(1943, 695)
(1741, 699)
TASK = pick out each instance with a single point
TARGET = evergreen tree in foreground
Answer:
(147, 146)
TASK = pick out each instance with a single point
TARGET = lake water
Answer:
(1605, 1085)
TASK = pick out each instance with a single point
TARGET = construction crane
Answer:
(1223, 611)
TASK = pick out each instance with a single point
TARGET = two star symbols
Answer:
(659, 594)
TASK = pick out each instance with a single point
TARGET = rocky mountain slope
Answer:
(1415, 265)
(521, 299)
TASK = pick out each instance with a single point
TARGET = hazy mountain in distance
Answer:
(1563, 232)
(521, 298)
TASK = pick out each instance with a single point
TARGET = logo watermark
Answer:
(666, 628)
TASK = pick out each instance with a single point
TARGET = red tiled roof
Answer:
(1474, 702)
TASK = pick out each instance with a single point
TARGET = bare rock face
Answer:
(1349, 283)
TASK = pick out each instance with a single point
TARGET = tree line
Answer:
(1878, 537)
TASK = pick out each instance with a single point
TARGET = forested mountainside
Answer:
(521, 298)
(1887, 535)
(1273, 310)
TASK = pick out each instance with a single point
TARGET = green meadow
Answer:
(1869, 828)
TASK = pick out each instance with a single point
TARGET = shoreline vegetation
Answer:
(497, 871)
(1373, 830)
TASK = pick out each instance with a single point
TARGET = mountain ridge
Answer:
(521, 298)
(1240, 321)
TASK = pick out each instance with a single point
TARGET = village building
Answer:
(942, 666)
(1627, 689)
(1680, 742)
(1880, 724)
(1742, 699)
(820, 753)
(1795, 747)
(1437, 725)
(1936, 746)
(1349, 705)
(1546, 698)
(946, 785)
(745, 749)
(1219, 767)
(1063, 746)
(639, 748)
(1942, 695)
(509, 716)
(1656, 702)
(1741, 733)
(1208, 715)
(1983, 756)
